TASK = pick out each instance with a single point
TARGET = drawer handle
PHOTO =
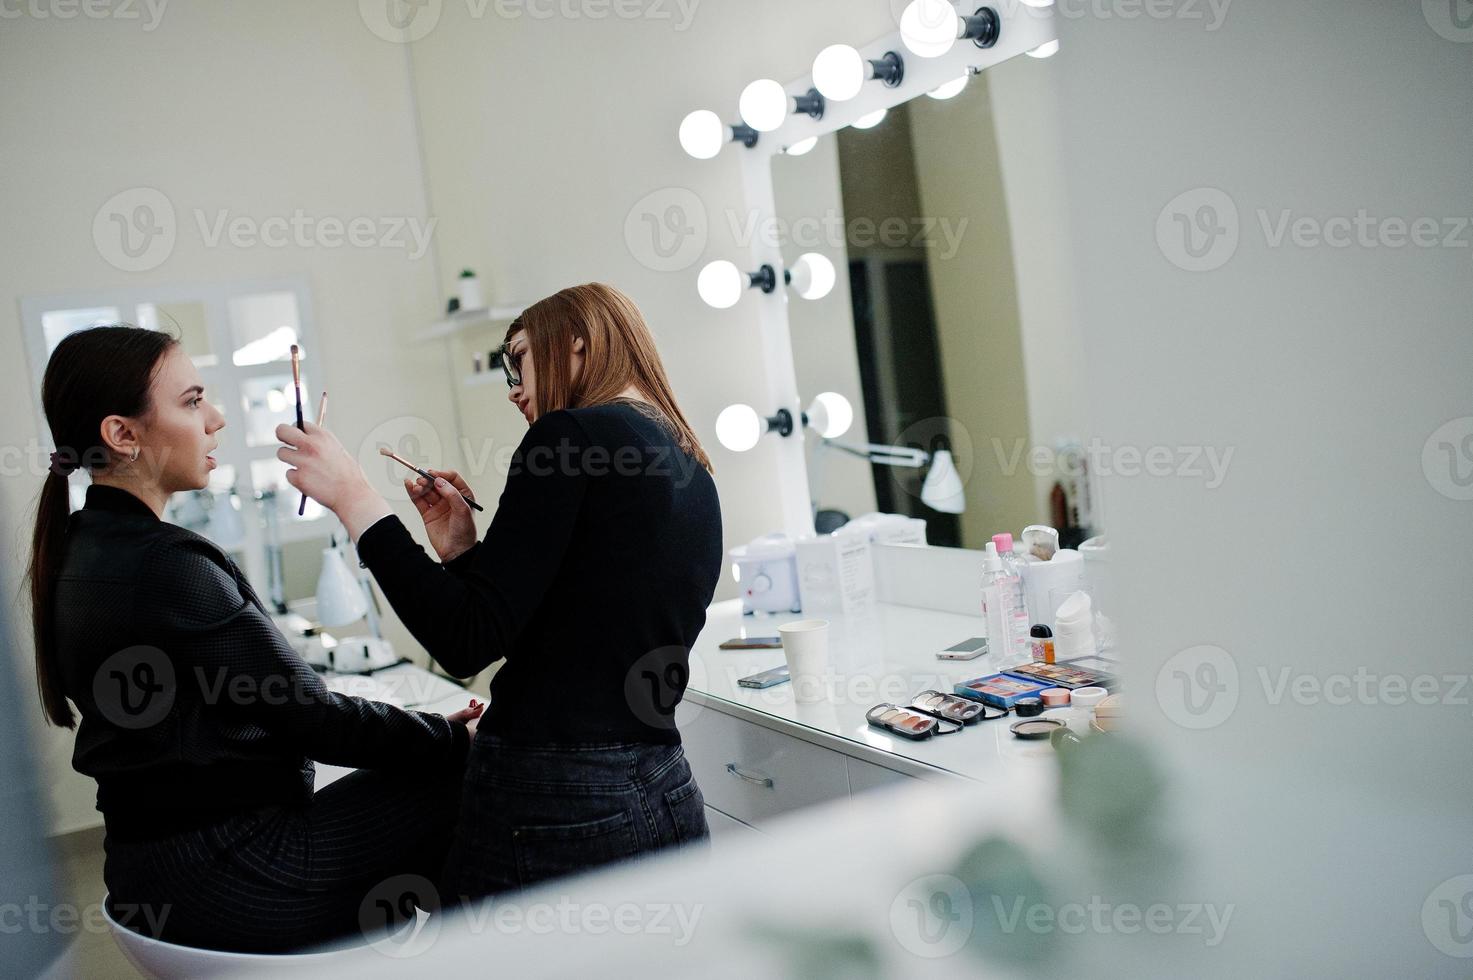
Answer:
(735, 770)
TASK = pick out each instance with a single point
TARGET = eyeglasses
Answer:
(511, 363)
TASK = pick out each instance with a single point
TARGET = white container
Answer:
(836, 573)
(1082, 704)
(806, 649)
(468, 291)
(767, 571)
(1074, 628)
(1046, 584)
(1096, 555)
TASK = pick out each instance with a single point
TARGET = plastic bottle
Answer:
(996, 602)
(1018, 621)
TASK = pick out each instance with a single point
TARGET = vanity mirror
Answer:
(882, 268)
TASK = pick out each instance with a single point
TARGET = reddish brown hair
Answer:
(618, 351)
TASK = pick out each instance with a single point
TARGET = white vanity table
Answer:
(758, 754)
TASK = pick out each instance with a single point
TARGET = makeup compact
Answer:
(905, 722)
(1036, 729)
(1028, 707)
(952, 708)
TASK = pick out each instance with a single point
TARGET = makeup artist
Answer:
(198, 720)
(592, 584)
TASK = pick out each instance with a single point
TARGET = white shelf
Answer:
(462, 320)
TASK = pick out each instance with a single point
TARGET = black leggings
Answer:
(277, 880)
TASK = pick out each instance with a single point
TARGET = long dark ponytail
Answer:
(92, 374)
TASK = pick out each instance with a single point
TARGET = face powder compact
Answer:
(1035, 729)
(1027, 707)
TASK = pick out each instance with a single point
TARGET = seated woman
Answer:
(198, 721)
(592, 582)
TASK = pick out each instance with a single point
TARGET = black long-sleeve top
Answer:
(592, 581)
(194, 707)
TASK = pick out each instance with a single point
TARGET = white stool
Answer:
(159, 960)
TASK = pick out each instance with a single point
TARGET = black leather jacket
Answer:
(194, 707)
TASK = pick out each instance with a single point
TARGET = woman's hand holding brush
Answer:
(327, 473)
(443, 506)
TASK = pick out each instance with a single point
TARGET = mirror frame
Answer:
(1024, 28)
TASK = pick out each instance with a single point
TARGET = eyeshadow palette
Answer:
(963, 711)
(1063, 675)
(1002, 690)
(902, 721)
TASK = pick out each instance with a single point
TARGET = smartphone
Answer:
(965, 650)
(753, 643)
(768, 678)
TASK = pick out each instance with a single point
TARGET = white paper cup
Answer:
(806, 648)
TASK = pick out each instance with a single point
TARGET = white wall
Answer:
(1327, 550)
(259, 108)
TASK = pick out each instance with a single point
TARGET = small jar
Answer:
(1083, 701)
(1042, 641)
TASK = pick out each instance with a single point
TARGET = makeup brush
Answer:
(321, 417)
(386, 451)
(297, 383)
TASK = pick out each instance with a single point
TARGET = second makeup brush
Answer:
(386, 451)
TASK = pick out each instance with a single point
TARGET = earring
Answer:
(135, 455)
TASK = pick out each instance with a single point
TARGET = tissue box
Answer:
(835, 573)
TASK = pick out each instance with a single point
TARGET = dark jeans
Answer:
(531, 813)
(279, 879)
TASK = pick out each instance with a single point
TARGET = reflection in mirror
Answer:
(924, 334)
(278, 499)
(263, 327)
(187, 321)
(268, 401)
(56, 324)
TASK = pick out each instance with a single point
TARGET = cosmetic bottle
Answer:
(1017, 603)
(996, 603)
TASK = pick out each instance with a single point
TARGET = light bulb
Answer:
(870, 119)
(764, 105)
(928, 28)
(720, 284)
(801, 147)
(702, 134)
(831, 415)
(738, 427)
(813, 275)
(838, 72)
(1045, 50)
(949, 90)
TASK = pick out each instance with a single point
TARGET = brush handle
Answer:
(427, 476)
(301, 507)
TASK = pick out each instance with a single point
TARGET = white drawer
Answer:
(725, 828)
(866, 776)
(754, 773)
